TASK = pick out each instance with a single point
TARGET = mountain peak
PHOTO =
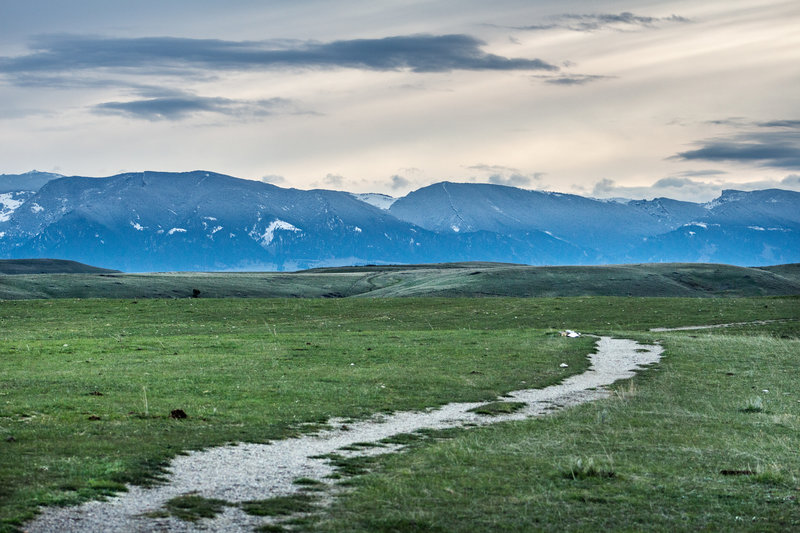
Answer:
(201, 220)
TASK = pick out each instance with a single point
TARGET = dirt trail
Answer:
(261, 471)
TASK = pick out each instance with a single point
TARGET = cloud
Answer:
(687, 189)
(699, 173)
(573, 79)
(399, 182)
(492, 168)
(598, 21)
(794, 124)
(792, 180)
(333, 180)
(273, 179)
(172, 55)
(184, 105)
(774, 144)
(673, 182)
(513, 180)
(781, 156)
(503, 175)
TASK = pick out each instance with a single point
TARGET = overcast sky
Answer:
(602, 98)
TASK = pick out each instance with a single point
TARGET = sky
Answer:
(600, 98)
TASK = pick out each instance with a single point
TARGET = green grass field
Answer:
(444, 280)
(86, 388)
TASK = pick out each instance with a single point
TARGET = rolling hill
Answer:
(445, 280)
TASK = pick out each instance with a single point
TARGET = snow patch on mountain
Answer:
(381, 201)
(176, 230)
(136, 226)
(265, 238)
(9, 202)
(36, 208)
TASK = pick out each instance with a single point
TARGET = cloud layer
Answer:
(598, 21)
(182, 106)
(773, 144)
(417, 53)
(687, 189)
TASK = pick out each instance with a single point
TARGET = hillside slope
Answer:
(449, 280)
(47, 266)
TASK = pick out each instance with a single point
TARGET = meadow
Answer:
(62, 279)
(706, 439)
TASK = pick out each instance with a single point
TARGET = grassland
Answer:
(86, 388)
(444, 280)
(677, 449)
(48, 266)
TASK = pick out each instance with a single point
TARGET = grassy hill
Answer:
(450, 280)
(47, 266)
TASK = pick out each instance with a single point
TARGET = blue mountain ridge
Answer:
(196, 221)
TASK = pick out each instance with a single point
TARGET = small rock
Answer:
(11, 439)
(93, 417)
(178, 414)
(563, 365)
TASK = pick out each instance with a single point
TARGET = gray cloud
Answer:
(399, 182)
(573, 79)
(773, 144)
(699, 173)
(730, 121)
(502, 175)
(792, 180)
(686, 189)
(781, 156)
(673, 182)
(334, 180)
(794, 124)
(180, 106)
(273, 178)
(599, 21)
(513, 180)
(492, 168)
(417, 53)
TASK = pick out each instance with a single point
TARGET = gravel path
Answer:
(261, 471)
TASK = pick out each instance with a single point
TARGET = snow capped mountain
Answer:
(30, 181)
(201, 220)
(467, 207)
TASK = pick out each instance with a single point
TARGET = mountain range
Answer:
(200, 221)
